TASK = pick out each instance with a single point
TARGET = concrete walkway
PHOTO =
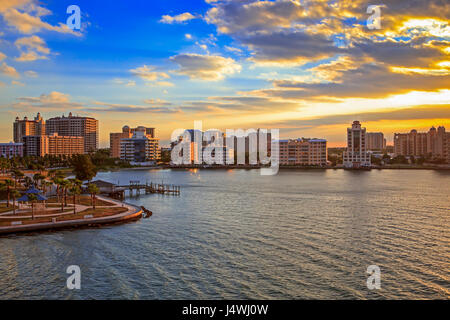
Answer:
(133, 213)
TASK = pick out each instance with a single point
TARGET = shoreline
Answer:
(124, 217)
(246, 167)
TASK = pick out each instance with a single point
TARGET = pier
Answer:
(149, 188)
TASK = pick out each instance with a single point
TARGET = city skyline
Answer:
(305, 69)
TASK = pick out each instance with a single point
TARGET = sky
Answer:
(306, 67)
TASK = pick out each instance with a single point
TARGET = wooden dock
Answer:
(149, 188)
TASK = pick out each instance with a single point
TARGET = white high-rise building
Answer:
(140, 149)
(356, 155)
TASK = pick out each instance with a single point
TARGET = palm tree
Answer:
(63, 185)
(74, 190)
(14, 194)
(93, 190)
(17, 174)
(4, 164)
(45, 184)
(57, 181)
(38, 179)
(28, 182)
(32, 198)
(8, 185)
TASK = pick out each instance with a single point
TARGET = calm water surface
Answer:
(238, 235)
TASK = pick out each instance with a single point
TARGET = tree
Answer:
(64, 185)
(17, 174)
(7, 186)
(14, 194)
(83, 168)
(32, 198)
(45, 185)
(4, 164)
(37, 178)
(57, 182)
(93, 190)
(74, 190)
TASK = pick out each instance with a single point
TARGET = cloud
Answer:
(291, 32)
(180, 18)
(51, 98)
(31, 47)
(148, 73)
(17, 83)
(205, 67)
(126, 83)
(2, 56)
(413, 113)
(9, 71)
(157, 102)
(125, 108)
(54, 101)
(367, 81)
(25, 17)
(289, 47)
(31, 74)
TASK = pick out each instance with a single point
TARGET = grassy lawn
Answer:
(4, 208)
(84, 200)
(37, 213)
(103, 212)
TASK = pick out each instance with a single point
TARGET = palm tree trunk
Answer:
(9, 195)
(32, 210)
(74, 208)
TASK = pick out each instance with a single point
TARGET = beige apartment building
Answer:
(73, 126)
(25, 127)
(433, 143)
(56, 145)
(375, 141)
(127, 133)
(307, 152)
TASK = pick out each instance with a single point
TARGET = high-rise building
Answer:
(10, 150)
(76, 127)
(375, 141)
(433, 143)
(127, 132)
(65, 145)
(356, 155)
(56, 145)
(25, 127)
(35, 146)
(140, 148)
(303, 152)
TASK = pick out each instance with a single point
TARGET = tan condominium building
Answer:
(53, 145)
(26, 127)
(127, 133)
(307, 152)
(356, 155)
(140, 148)
(376, 141)
(434, 143)
(73, 126)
